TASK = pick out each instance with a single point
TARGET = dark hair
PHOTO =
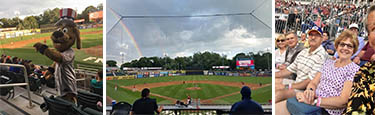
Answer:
(145, 92)
(100, 73)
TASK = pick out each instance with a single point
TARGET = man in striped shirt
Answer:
(306, 65)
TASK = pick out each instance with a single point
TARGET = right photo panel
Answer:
(189, 57)
(324, 57)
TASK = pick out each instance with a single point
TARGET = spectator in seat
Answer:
(306, 65)
(361, 100)
(304, 40)
(246, 105)
(15, 69)
(327, 44)
(330, 89)
(145, 105)
(98, 81)
(292, 51)
(281, 49)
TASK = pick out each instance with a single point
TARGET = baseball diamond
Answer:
(208, 89)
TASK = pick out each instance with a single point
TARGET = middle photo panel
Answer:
(204, 57)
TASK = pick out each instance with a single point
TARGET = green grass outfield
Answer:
(89, 41)
(9, 40)
(29, 53)
(207, 91)
(261, 95)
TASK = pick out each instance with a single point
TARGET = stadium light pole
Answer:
(122, 57)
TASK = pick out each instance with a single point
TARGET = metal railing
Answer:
(333, 20)
(86, 71)
(205, 109)
(19, 84)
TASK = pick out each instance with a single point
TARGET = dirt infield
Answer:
(20, 44)
(94, 51)
(193, 88)
(139, 87)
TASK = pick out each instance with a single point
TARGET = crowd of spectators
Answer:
(331, 17)
(31, 69)
(329, 74)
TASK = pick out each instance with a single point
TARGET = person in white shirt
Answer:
(280, 51)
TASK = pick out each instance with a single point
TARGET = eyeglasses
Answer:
(280, 40)
(350, 46)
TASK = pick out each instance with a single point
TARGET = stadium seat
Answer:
(58, 106)
(121, 108)
(92, 111)
(50, 82)
(6, 90)
(35, 83)
(87, 99)
(98, 91)
(20, 77)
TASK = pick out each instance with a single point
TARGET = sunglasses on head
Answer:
(280, 40)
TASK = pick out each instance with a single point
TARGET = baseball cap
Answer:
(317, 29)
(354, 25)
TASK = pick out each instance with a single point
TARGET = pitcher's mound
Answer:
(193, 88)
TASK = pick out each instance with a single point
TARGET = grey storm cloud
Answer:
(227, 35)
(23, 8)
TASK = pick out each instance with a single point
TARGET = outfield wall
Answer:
(158, 73)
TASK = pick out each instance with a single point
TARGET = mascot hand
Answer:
(40, 47)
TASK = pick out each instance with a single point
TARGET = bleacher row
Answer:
(36, 83)
(87, 105)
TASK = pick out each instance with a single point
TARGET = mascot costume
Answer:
(63, 39)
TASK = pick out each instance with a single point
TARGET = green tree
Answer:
(30, 22)
(111, 63)
(50, 16)
(85, 13)
(100, 6)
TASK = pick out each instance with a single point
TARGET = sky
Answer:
(133, 38)
(23, 8)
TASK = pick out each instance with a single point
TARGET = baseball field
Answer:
(208, 89)
(92, 42)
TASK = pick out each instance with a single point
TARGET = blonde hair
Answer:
(281, 36)
(347, 34)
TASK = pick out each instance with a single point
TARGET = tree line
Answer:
(199, 61)
(49, 16)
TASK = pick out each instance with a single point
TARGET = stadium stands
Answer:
(31, 88)
(330, 16)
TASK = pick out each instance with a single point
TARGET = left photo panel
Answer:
(51, 57)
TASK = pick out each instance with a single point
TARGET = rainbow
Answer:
(127, 31)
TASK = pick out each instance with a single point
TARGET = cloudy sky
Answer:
(227, 35)
(23, 8)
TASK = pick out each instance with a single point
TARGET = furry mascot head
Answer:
(63, 39)
(65, 36)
